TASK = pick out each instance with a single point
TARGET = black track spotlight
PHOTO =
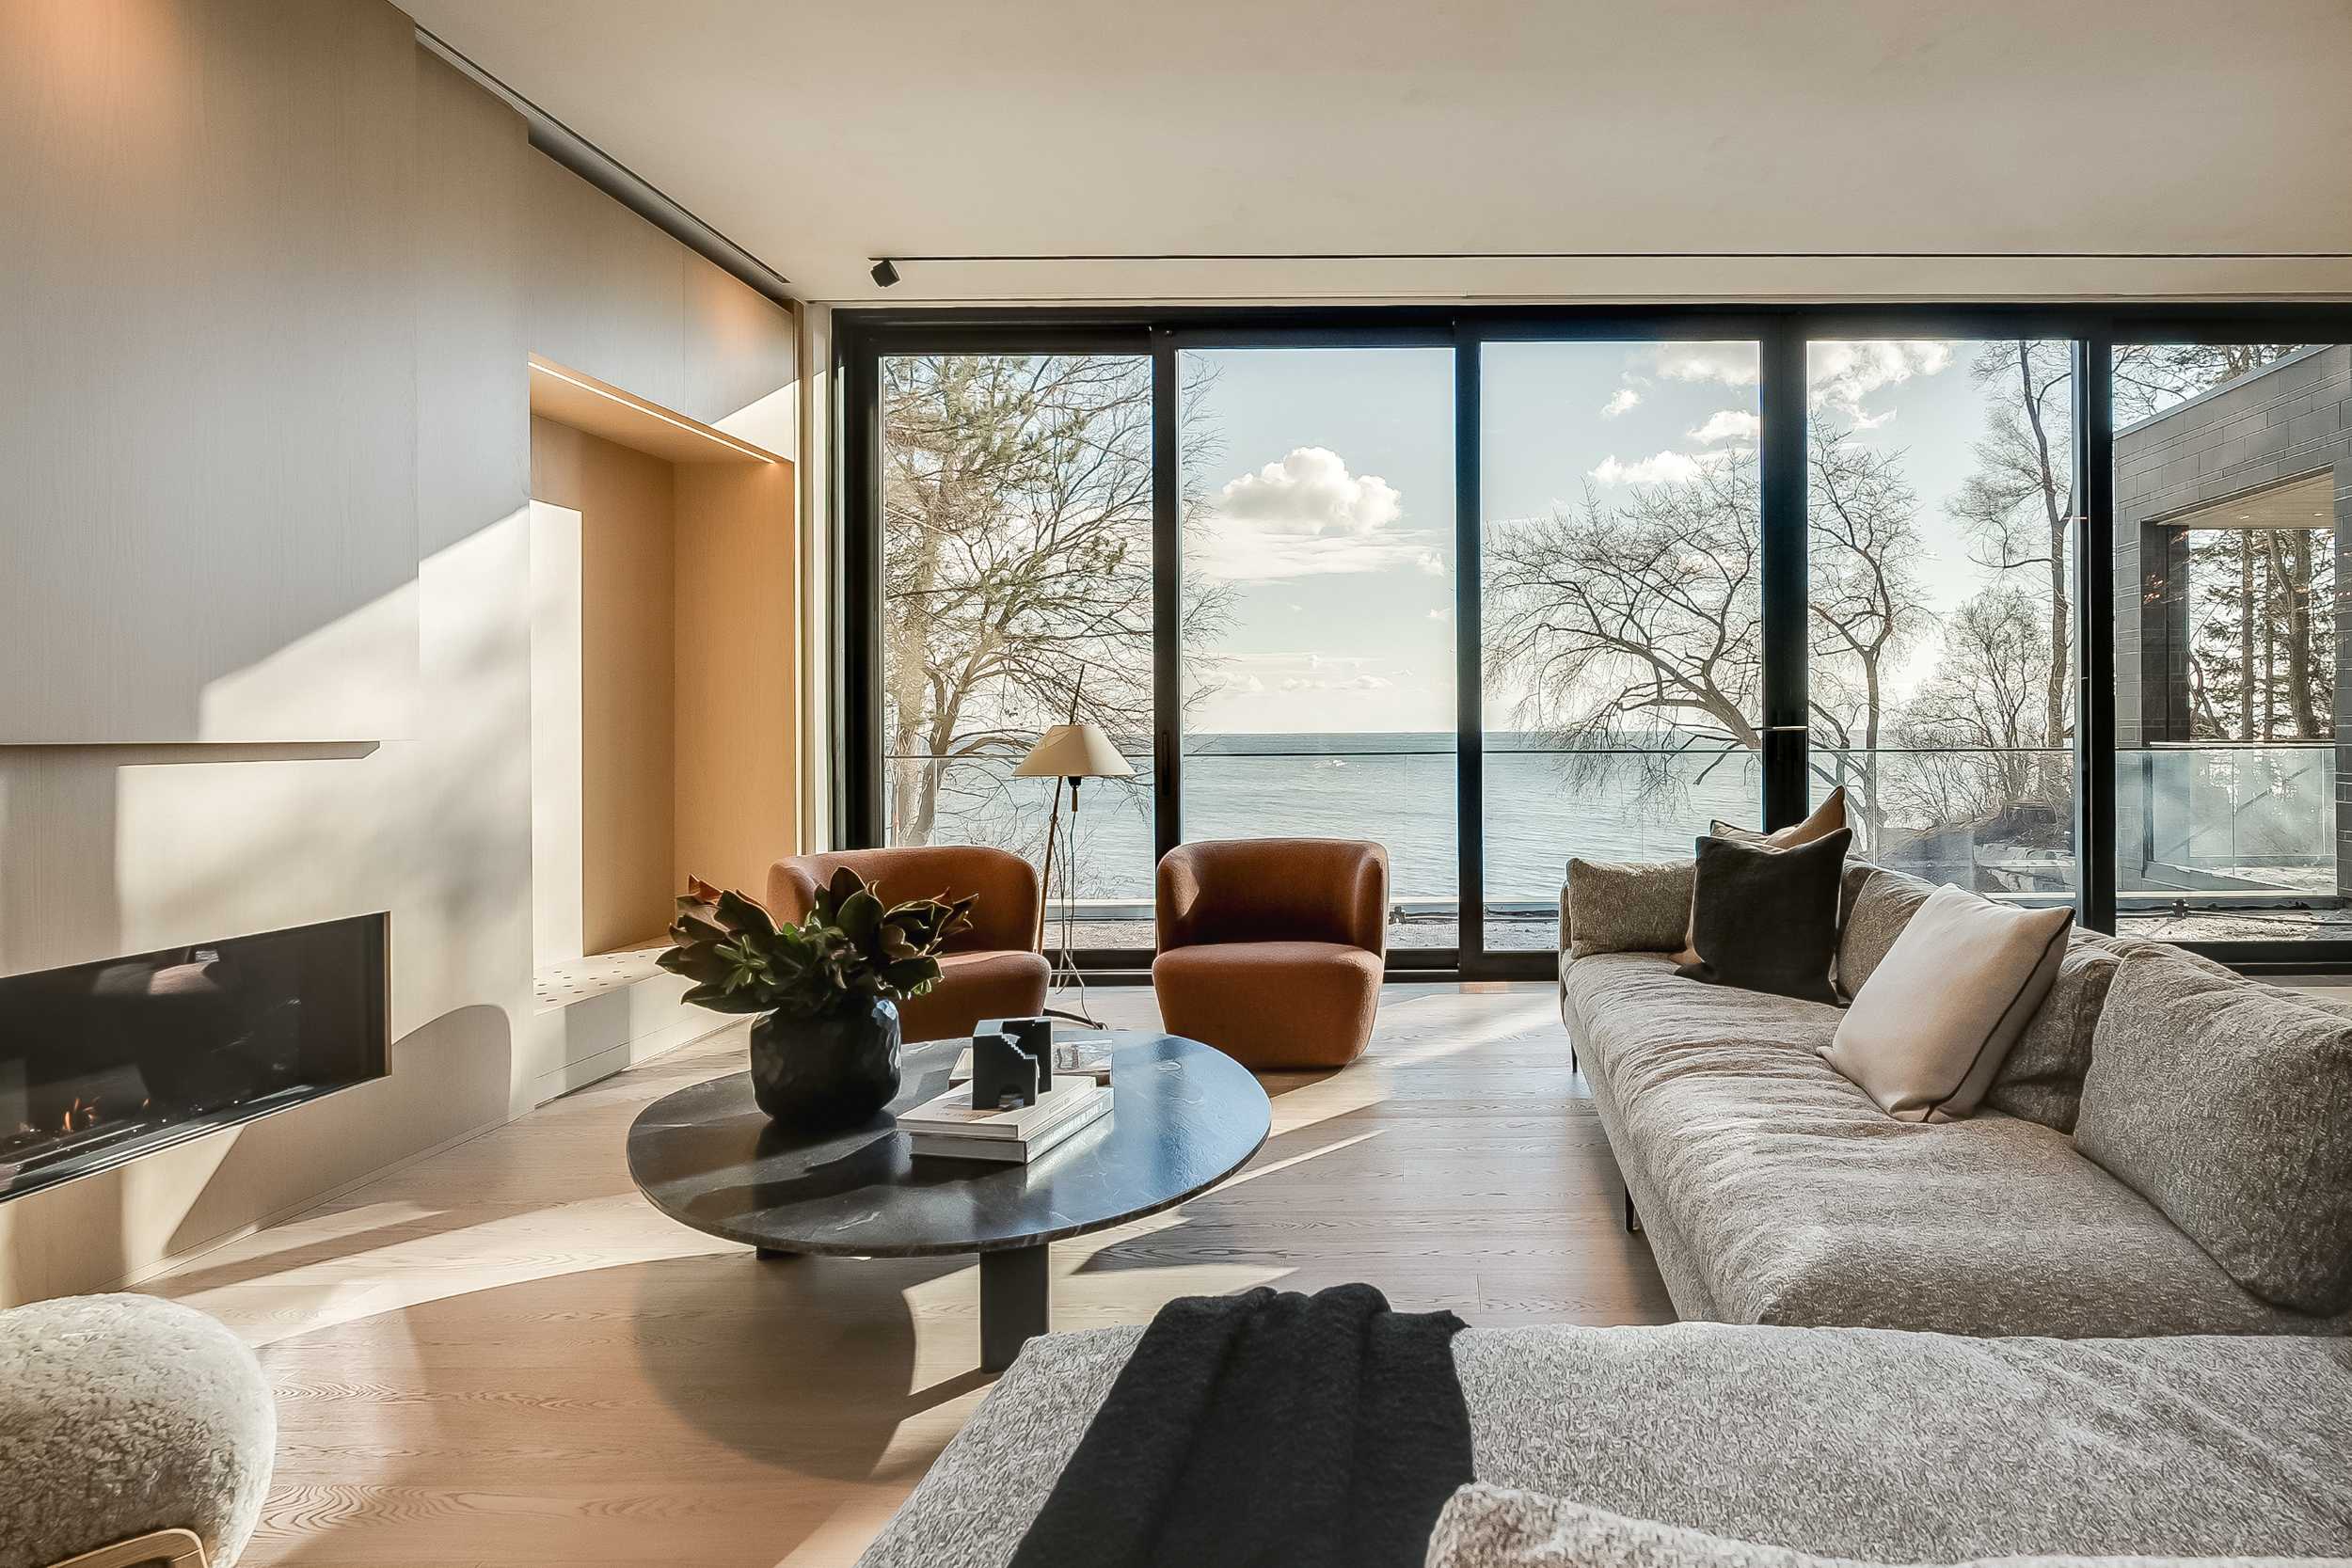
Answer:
(886, 274)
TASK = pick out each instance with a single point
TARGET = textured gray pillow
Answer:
(1619, 908)
(1493, 1527)
(2227, 1105)
(1875, 916)
(2042, 1079)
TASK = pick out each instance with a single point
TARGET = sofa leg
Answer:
(1632, 1220)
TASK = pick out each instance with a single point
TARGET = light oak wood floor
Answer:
(502, 1354)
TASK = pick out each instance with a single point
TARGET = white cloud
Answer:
(1308, 516)
(1840, 375)
(1442, 614)
(1370, 682)
(1726, 424)
(1311, 494)
(1621, 401)
(1666, 468)
(1731, 364)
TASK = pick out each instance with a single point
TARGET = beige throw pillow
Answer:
(1929, 1030)
(1827, 818)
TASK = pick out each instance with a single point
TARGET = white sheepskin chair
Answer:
(121, 1416)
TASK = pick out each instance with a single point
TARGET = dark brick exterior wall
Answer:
(2288, 420)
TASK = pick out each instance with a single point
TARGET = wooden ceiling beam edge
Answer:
(579, 400)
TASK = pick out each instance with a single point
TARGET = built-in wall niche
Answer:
(664, 581)
(101, 1062)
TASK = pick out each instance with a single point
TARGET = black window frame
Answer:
(1782, 332)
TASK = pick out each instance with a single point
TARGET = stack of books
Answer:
(951, 1127)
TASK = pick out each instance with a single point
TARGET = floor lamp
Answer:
(1069, 753)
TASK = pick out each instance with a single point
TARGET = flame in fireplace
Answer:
(80, 1116)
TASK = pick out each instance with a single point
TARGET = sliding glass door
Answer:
(1622, 647)
(2233, 485)
(1940, 512)
(2052, 594)
(1318, 584)
(1015, 594)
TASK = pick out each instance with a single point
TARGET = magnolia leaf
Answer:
(739, 914)
(719, 1001)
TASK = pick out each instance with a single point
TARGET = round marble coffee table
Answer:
(1183, 1117)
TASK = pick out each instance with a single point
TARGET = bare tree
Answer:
(1975, 726)
(2151, 377)
(1017, 498)
(1633, 630)
(1866, 608)
(2018, 507)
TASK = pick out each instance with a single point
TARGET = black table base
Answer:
(1015, 1296)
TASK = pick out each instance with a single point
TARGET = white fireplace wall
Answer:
(115, 848)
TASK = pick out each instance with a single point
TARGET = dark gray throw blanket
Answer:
(1265, 1429)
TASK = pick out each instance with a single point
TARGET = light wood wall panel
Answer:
(626, 672)
(208, 435)
(737, 673)
(614, 296)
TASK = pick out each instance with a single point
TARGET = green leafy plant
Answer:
(851, 947)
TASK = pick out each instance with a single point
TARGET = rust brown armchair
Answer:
(991, 970)
(1271, 949)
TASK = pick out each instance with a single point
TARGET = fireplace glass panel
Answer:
(105, 1060)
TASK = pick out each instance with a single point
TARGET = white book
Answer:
(1011, 1151)
(953, 1115)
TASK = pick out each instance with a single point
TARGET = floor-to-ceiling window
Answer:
(1940, 514)
(1622, 646)
(1015, 594)
(2233, 479)
(1318, 546)
(1501, 588)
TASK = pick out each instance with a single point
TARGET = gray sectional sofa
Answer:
(1920, 1341)
(1853, 1443)
(1772, 1190)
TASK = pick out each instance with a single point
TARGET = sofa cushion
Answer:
(1892, 1448)
(1879, 903)
(1800, 1202)
(1947, 1004)
(2042, 1079)
(1501, 1526)
(1766, 919)
(1623, 907)
(2228, 1105)
(1823, 820)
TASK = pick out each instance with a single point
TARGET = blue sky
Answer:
(1333, 478)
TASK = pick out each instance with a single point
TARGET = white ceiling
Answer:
(819, 136)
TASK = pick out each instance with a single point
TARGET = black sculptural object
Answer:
(1012, 1056)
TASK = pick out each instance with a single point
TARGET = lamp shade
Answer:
(1074, 752)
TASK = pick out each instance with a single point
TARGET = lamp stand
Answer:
(1065, 970)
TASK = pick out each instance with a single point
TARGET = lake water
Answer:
(1398, 789)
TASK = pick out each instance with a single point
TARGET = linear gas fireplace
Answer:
(106, 1061)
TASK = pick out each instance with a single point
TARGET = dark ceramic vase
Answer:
(826, 1074)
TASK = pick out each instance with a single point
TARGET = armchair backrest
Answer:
(1274, 890)
(1004, 917)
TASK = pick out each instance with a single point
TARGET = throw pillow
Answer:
(1618, 908)
(1496, 1527)
(1825, 820)
(1876, 917)
(1766, 919)
(1927, 1031)
(2227, 1105)
(2042, 1079)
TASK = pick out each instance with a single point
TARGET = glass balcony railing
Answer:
(2242, 830)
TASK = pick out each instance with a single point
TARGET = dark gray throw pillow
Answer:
(1766, 919)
